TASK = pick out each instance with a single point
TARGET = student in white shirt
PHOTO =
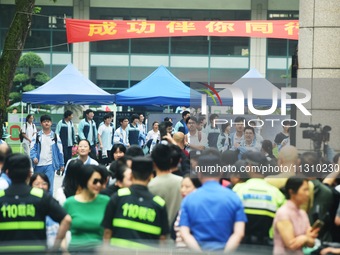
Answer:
(105, 140)
(121, 134)
(28, 131)
(195, 140)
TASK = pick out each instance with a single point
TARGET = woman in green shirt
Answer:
(87, 211)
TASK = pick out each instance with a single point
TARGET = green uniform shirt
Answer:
(86, 231)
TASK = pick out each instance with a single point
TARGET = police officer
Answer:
(260, 200)
(24, 210)
(135, 218)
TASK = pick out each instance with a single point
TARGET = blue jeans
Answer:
(49, 171)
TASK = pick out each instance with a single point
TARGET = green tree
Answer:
(20, 78)
(14, 43)
(28, 87)
(15, 97)
(30, 60)
(41, 77)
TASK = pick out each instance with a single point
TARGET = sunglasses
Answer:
(40, 183)
(95, 181)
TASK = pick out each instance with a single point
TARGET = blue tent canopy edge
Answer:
(69, 87)
(161, 87)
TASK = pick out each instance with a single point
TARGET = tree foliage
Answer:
(15, 97)
(14, 43)
(20, 77)
(28, 87)
(41, 77)
(30, 60)
(26, 82)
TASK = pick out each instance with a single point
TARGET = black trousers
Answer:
(67, 150)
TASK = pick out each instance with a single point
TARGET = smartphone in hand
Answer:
(318, 224)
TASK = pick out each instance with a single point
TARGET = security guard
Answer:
(260, 200)
(24, 210)
(135, 218)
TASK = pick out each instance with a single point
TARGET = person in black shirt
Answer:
(134, 218)
(282, 138)
(24, 209)
(121, 175)
(180, 163)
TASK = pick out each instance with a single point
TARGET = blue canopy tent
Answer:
(69, 87)
(262, 89)
(160, 88)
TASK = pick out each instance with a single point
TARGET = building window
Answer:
(52, 22)
(278, 15)
(150, 46)
(192, 45)
(278, 47)
(6, 15)
(230, 46)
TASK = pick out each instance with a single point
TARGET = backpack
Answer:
(21, 136)
(55, 139)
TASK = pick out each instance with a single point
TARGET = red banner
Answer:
(98, 30)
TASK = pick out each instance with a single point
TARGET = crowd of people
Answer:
(130, 188)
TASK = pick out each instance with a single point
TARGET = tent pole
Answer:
(114, 115)
(129, 69)
(21, 121)
(209, 59)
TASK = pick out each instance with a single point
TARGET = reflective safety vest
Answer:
(18, 220)
(261, 201)
(137, 218)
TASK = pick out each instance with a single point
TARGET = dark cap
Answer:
(142, 164)
(254, 158)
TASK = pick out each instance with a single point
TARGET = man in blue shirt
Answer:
(47, 151)
(134, 131)
(87, 129)
(121, 134)
(212, 217)
(181, 125)
(65, 130)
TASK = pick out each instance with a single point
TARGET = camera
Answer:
(317, 134)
